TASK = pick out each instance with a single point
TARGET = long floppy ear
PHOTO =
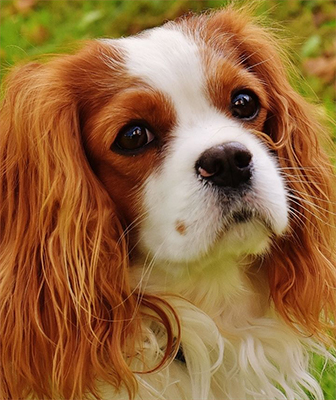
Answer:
(66, 304)
(64, 289)
(301, 266)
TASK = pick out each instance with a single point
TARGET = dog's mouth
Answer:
(239, 207)
(242, 216)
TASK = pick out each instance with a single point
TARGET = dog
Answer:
(167, 220)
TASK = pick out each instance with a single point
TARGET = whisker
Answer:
(300, 168)
(311, 213)
(301, 220)
(137, 221)
(259, 63)
(295, 179)
(312, 197)
(314, 206)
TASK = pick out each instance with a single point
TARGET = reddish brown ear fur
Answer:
(301, 266)
(63, 276)
(66, 304)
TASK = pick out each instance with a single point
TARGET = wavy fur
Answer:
(66, 304)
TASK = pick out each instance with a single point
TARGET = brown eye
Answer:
(244, 105)
(133, 137)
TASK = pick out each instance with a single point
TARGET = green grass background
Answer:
(29, 28)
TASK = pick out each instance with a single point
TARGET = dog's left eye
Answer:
(244, 105)
(133, 137)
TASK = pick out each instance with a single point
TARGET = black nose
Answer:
(226, 165)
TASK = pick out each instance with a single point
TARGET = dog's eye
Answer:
(244, 105)
(133, 137)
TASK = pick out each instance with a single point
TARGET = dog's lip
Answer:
(239, 207)
(242, 216)
(247, 215)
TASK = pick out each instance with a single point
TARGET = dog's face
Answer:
(183, 148)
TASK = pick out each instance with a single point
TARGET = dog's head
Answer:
(169, 144)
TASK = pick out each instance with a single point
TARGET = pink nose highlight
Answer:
(204, 173)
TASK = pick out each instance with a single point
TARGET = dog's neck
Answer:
(231, 290)
(230, 309)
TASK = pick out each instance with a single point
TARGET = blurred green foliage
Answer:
(30, 28)
(33, 27)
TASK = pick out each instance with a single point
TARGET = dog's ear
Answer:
(66, 304)
(301, 265)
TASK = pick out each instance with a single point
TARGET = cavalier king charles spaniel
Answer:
(167, 221)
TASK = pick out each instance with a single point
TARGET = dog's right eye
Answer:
(133, 137)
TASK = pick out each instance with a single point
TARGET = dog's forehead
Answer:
(169, 60)
(163, 54)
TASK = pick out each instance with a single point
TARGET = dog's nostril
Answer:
(226, 165)
(242, 159)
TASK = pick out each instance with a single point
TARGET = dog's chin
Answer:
(246, 234)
